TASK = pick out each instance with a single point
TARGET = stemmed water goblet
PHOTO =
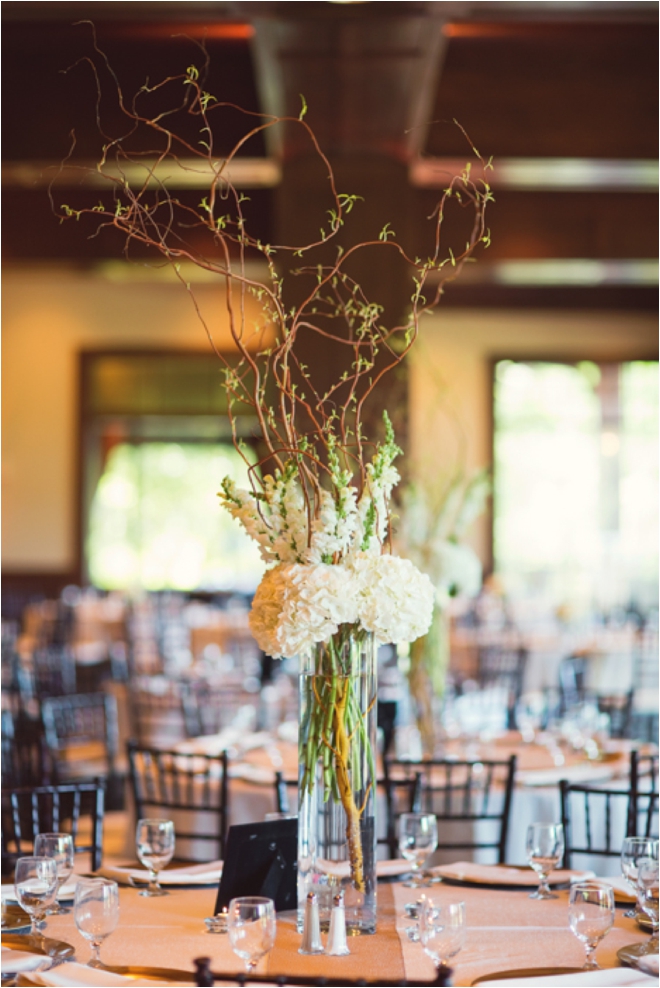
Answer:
(545, 849)
(59, 847)
(647, 895)
(154, 840)
(96, 913)
(590, 916)
(634, 850)
(418, 837)
(442, 929)
(35, 882)
(251, 925)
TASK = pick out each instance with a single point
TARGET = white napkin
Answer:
(587, 772)
(14, 961)
(616, 977)
(202, 874)
(81, 976)
(620, 886)
(258, 774)
(67, 891)
(649, 964)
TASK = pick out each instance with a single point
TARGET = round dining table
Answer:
(506, 931)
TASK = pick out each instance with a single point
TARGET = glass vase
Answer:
(337, 778)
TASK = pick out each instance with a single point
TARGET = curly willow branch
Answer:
(304, 421)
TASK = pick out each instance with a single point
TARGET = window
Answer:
(156, 445)
(576, 483)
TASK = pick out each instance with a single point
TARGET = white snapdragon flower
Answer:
(242, 505)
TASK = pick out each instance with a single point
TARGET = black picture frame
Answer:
(261, 859)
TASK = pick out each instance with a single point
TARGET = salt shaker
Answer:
(311, 938)
(337, 935)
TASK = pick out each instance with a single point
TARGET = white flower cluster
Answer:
(343, 524)
(297, 605)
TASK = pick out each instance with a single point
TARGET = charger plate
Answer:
(526, 972)
(630, 955)
(58, 949)
(14, 919)
(137, 973)
(501, 877)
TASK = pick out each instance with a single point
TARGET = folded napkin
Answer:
(649, 964)
(584, 772)
(81, 976)
(469, 871)
(622, 891)
(67, 891)
(202, 874)
(230, 737)
(13, 961)
(617, 977)
(259, 774)
(384, 869)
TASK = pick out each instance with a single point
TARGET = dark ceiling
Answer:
(384, 83)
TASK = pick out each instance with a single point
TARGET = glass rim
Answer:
(96, 881)
(252, 900)
(54, 833)
(34, 857)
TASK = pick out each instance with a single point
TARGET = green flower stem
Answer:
(334, 734)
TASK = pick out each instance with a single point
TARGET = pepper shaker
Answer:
(203, 975)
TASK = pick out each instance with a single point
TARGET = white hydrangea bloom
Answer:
(394, 600)
(296, 606)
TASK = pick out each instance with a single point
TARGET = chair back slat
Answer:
(467, 791)
(585, 809)
(29, 811)
(169, 781)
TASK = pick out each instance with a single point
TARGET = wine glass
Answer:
(442, 929)
(633, 850)
(647, 895)
(590, 916)
(251, 925)
(96, 912)
(155, 849)
(35, 882)
(418, 837)
(545, 849)
(59, 847)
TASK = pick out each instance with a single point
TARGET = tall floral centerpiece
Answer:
(318, 501)
(435, 518)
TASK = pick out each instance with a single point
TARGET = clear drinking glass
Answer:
(633, 850)
(647, 895)
(35, 882)
(418, 837)
(251, 925)
(155, 840)
(96, 913)
(442, 929)
(590, 916)
(59, 847)
(545, 849)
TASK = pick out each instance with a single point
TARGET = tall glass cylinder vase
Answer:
(337, 778)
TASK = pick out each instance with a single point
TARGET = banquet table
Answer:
(506, 930)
